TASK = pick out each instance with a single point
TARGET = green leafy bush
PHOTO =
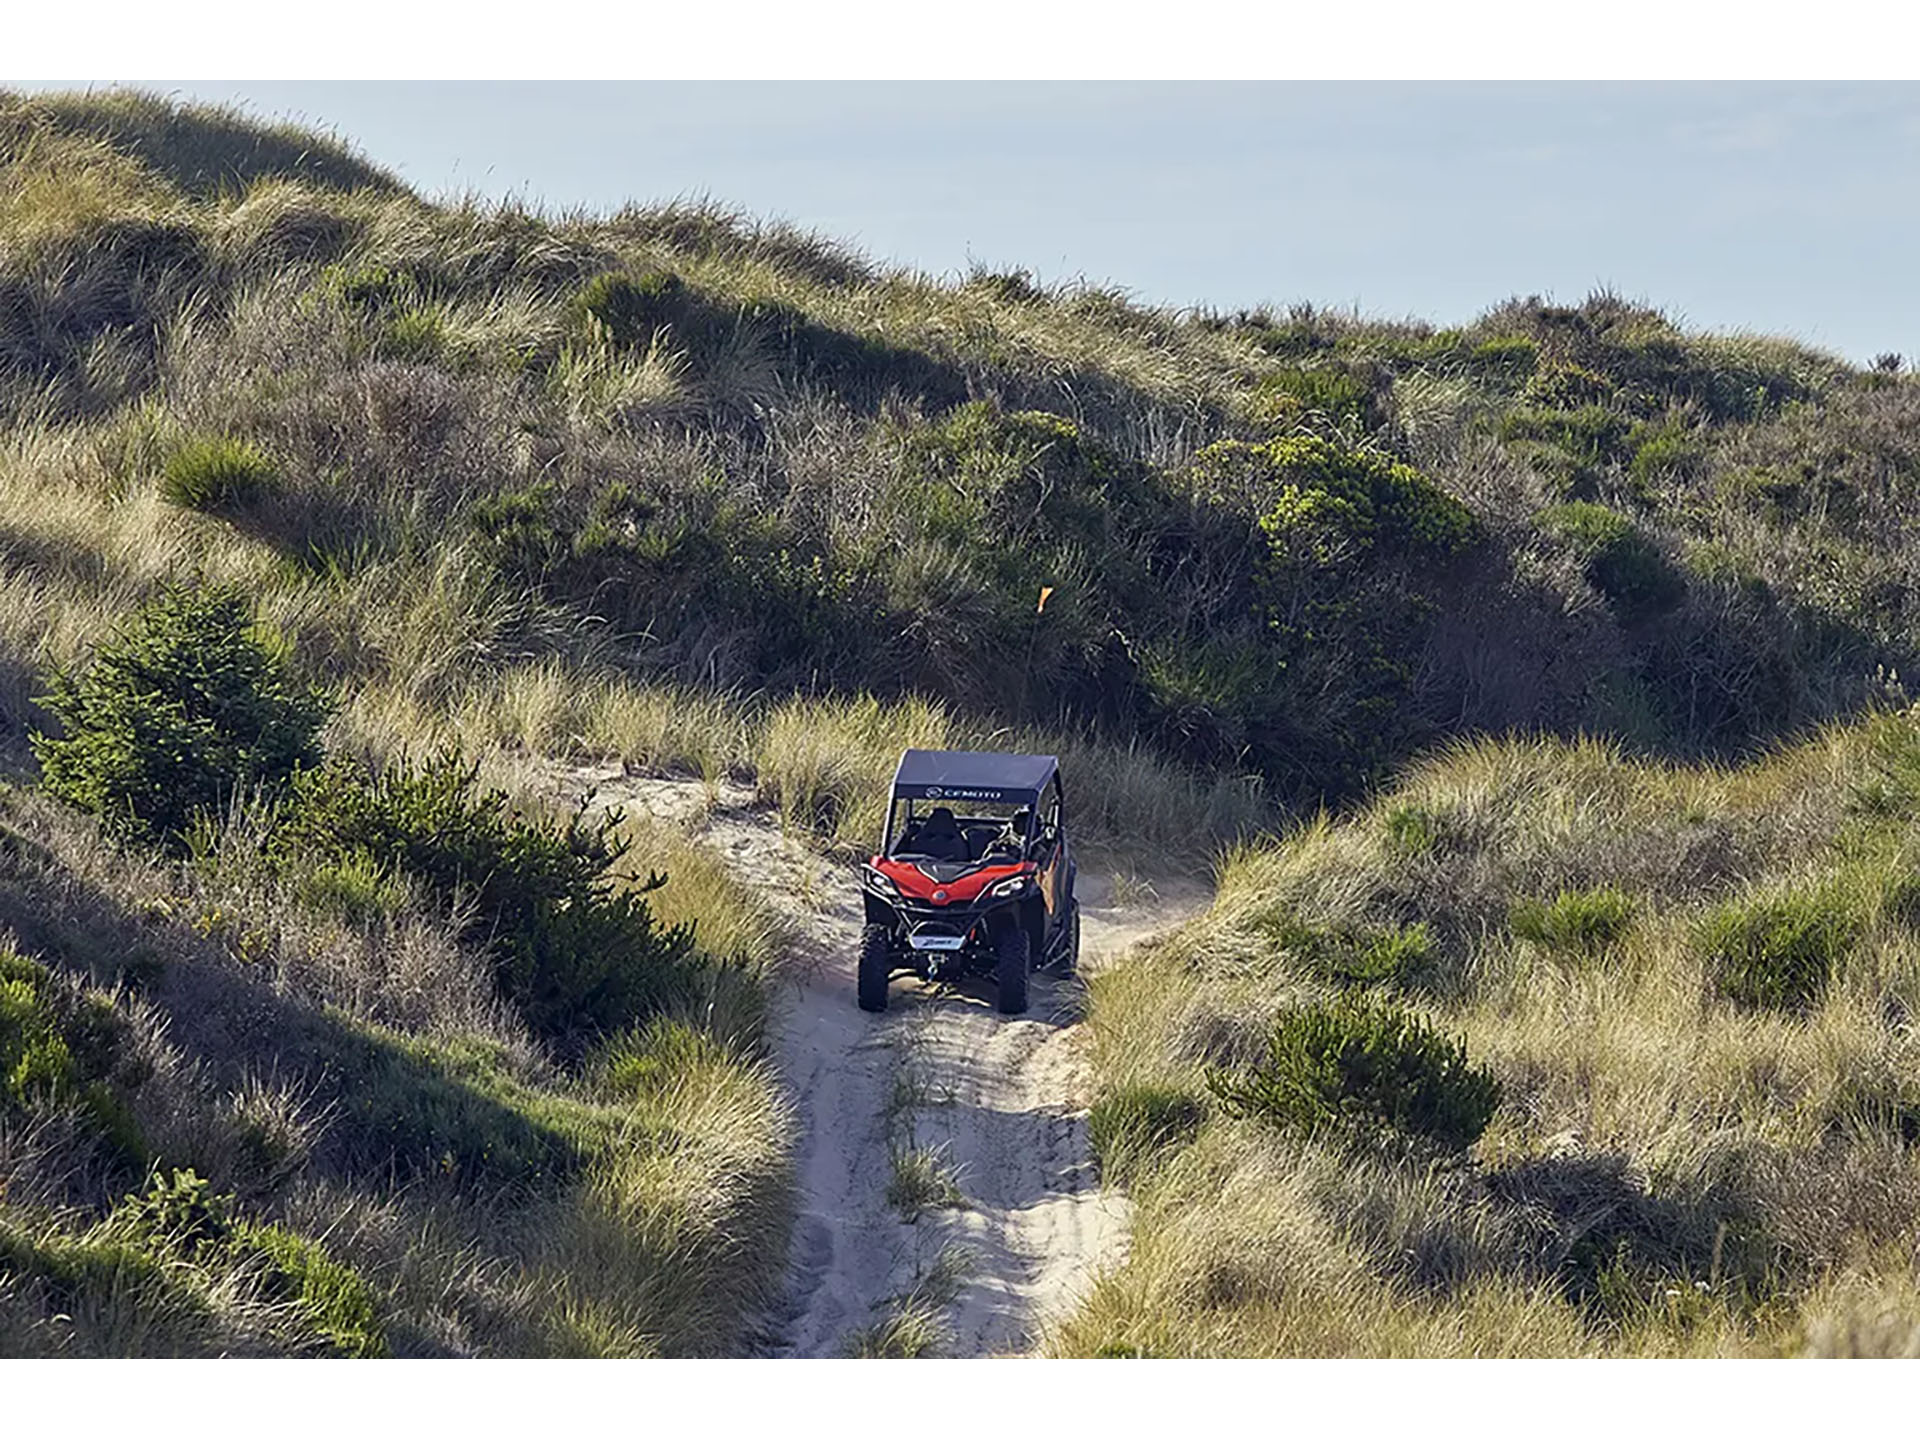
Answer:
(214, 473)
(1576, 921)
(178, 1211)
(1623, 564)
(1353, 1063)
(1132, 1123)
(632, 307)
(1335, 499)
(183, 706)
(574, 949)
(1352, 955)
(1778, 952)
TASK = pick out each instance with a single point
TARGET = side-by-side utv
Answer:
(974, 875)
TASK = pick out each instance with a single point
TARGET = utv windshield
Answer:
(981, 830)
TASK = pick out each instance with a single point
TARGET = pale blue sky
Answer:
(1788, 209)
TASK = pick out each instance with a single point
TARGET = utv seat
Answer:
(940, 838)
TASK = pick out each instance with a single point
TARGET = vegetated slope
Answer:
(1682, 1120)
(706, 496)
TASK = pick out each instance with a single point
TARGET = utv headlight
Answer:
(1009, 887)
(880, 884)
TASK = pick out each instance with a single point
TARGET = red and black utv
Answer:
(974, 875)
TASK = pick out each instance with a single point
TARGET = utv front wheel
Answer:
(1012, 954)
(876, 967)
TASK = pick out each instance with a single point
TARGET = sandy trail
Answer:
(999, 1102)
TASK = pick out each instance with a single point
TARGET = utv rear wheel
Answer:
(1012, 954)
(876, 967)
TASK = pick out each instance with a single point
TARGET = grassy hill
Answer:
(711, 496)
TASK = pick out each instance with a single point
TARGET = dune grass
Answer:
(1676, 1165)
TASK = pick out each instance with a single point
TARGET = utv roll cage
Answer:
(953, 779)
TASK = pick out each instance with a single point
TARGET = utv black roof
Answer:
(973, 775)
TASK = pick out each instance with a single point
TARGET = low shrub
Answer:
(630, 308)
(1356, 1064)
(1622, 563)
(215, 473)
(574, 949)
(180, 1215)
(35, 1061)
(333, 1301)
(1131, 1124)
(1592, 434)
(180, 709)
(1576, 921)
(1778, 952)
(1412, 830)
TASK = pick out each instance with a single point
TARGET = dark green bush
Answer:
(633, 307)
(1353, 1063)
(1131, 1124)
(179, 1211)
(1780, 952)
(574, 949)
(1664, 450)
(1623, 564)
(1578, 921)
(183, 706)
(215, 473)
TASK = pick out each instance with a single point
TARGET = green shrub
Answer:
(367, 288)
(1506, 356)
(1353, 1063)
(1350, 955)
(573, 949)
(181, 1215)
(417, 335)
(1566, 387)
(1335, 393)
(215, 473)
(180, 1212)
(632, 307)
(1592, 434)
(1336, 498)
(1412, 829)
(182, 707)
(333, 1301)
(35, 1061)
(1622, 563)
(1131, 1124)
(1665, 449)
(1779, 952)
(1578, 921)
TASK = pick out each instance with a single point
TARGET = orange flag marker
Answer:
(1045, 590)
